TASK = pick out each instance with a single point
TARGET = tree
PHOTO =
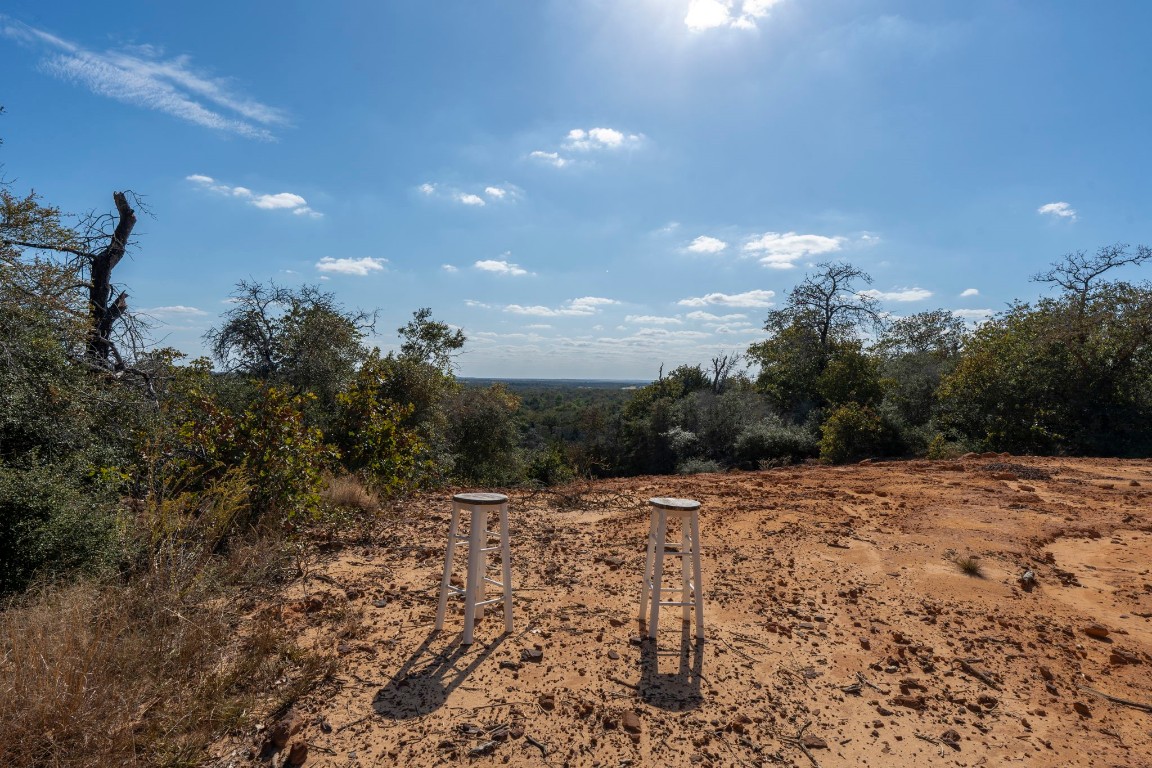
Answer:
(1070, 373)
(302, 338)
(93, 253)
(430, 341)
(822, 317)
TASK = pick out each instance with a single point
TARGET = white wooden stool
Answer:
(690, 589)
(476, 581)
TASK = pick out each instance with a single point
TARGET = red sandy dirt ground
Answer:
(840, 629)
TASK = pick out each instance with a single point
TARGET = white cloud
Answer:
(668, 229)
(351, 266)
(969, 292)
(600, 138)
(500, 267)
(706, 244)
(476, 304)
(467, 198)
(1060, 210)
(755, 299)
(972, 314)
(427, 188)
(449, 268)
(496, 192)
(739, 14)
(140, 76)
(282, 201)
(174, 311)
(652, 320)
(781, 251)
(708, 317)
(582, 307)
(906, 294)
(552, 158)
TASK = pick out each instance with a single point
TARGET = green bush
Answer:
(698, 466)
(852, 431)
(550, 466)
(770, 439)
(51, 522)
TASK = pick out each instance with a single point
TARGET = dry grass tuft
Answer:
(969, 565)
(144, 673)
(349, 493)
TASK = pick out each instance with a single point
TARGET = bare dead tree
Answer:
(1076, 272)
(96, 253)
(723, 365)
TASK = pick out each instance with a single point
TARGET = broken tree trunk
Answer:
(103, 310)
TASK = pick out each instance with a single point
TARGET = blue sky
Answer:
(589, 188)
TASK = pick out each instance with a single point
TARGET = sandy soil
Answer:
(841, 629)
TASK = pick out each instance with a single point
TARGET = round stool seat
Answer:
(480, 498)
(675, 505)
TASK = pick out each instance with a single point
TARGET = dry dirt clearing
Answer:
(844, 623)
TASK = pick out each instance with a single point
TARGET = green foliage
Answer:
(771, 440)
(299, 339)
(483, 436)
(429, 341)
(280, 458)
(373, 438)
(851, 432)
(550, 466)
(698, 467)
(53, 520)
(850, 376)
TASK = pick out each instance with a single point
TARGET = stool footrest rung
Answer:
(676, 603)
(490, 601)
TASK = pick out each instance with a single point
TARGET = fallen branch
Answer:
(971, 670)
(539, 745)
(1118, 700)
(798, 742)
(930, 740)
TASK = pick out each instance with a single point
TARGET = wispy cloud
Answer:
(582, 307)
(359, 267)
(142, 77)
(551, 158)
(1059, 210)
(449, 268)
(755, 299)
(706, 244)
(738, 14)
(652, 320)
(973, 314)
(500, 267)
(173, 312)
(904, 294)
(490, 193)
(289, 201)
(708, 317)
(782, 250)
(969, 292)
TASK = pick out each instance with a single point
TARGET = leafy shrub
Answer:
(852, 431)
(698, 466)
(375, 441)
(50, 522)
(550, 466)
(771, 439)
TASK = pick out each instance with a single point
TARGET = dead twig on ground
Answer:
(982, 677)
(538, 744)
(931, 740)
(870, 684)
(1118, 700)
(798, 742)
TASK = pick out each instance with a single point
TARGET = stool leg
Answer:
(697, 583)
(646, 588)
(685, 568)
(447, 580)
(475, 558)
(658, 571)
(506, 561)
